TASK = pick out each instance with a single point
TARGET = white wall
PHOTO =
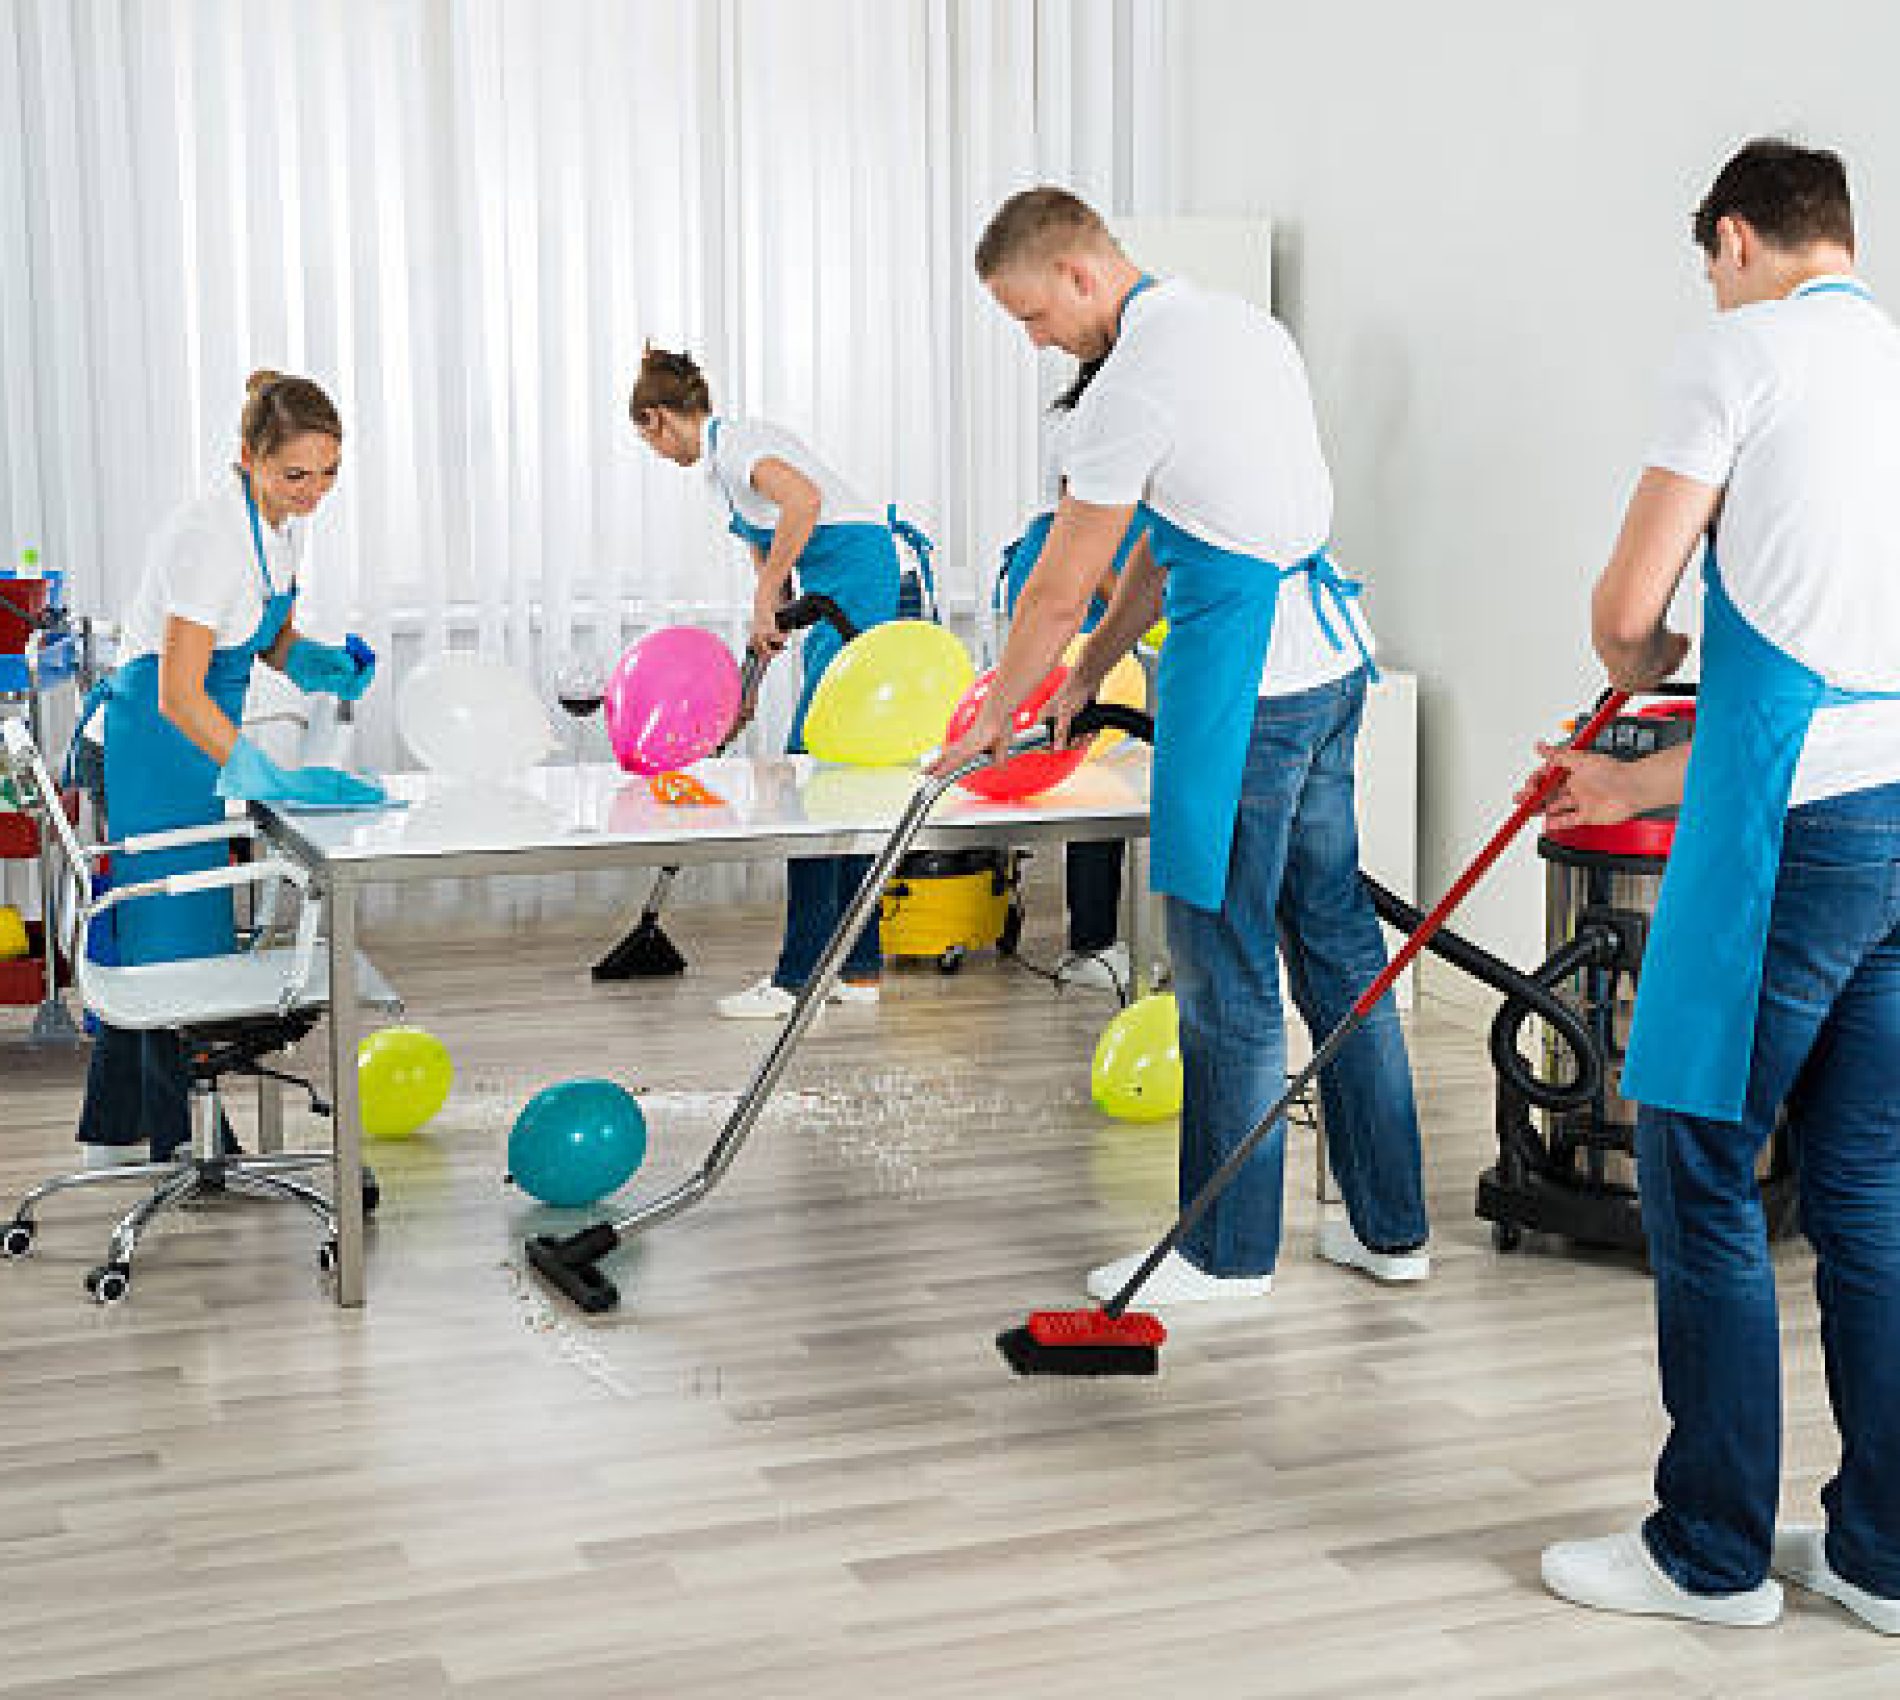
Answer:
(1483, 212)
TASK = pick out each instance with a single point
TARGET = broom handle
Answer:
(1203, 1201)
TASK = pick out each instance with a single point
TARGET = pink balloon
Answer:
(671, 700)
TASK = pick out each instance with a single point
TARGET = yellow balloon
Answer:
(1127, 684)
(403, 1077)
(13, 940)
(1136, 1074)
(1155, 636)
(887, 697)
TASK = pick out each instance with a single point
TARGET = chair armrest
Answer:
(238, 830)
(205, 879)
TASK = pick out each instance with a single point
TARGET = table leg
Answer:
(1323, 1188)
(270, 1114)
(346, 1121)
(1143, 939)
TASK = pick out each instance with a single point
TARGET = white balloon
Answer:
(472, 717)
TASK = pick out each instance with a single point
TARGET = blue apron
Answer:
(854, 563)
(1220, 606)
(157, 780)
(1020, 558)
(1692, 1038)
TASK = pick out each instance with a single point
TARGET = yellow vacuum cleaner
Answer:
(943, 904)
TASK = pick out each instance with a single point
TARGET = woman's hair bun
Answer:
(259, 381)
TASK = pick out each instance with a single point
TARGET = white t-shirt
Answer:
(1792, 409)
(201, 565)
(739, 445)
(1203, 411)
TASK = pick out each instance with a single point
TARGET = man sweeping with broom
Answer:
(1198, 420)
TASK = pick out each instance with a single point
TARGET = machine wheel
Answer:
(17, 1241)
(951, 960)
(1506, 1236)
(326, 1257)
(109, 1283)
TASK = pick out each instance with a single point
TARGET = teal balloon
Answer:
(575, 1143)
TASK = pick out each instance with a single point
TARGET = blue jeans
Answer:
(1292, 886)
(1827, 1044)
(818, 890)
(138, 1091)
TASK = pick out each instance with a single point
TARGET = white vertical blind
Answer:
(464, 217)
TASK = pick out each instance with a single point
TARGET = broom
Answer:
(1113, 1340)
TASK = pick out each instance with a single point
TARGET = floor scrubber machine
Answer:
(1566, 1148)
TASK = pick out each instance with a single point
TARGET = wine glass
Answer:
(580, 687)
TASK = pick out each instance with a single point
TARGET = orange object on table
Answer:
(681, 788)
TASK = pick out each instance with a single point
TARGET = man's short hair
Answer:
(1793, 197)
(1037, 225)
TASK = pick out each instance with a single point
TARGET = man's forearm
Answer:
(1661, 778)
(1135, 606)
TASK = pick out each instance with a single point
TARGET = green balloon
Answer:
(403, 1077)
(1136, 1075)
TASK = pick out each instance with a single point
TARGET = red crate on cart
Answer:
(20, 831)
(24, 981)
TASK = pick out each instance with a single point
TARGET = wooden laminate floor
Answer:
(792, 1464)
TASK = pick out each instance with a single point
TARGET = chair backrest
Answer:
(41, 795)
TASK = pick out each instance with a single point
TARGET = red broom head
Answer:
(1095, 1328)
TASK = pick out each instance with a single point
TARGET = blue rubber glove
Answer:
(250, 776)
(339, 670)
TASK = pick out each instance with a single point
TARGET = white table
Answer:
(561, 820)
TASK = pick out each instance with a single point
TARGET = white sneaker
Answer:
(1801, 1558)
(1616, 1573)
(1105, 970)
(761, 1001)
(1339, 1244)
(1174, 1282)
(96, 1156)
(764, 1001)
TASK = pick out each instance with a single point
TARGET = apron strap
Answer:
(920, 546)
(1324, 581)
(94, 700)
(257, 538)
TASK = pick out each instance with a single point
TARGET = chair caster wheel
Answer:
(1506, 1236)
(326, 1257)
(372, 1192)
(951, 960)
(109, 1283)
(17, 1241)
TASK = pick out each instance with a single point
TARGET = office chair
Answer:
(230, 1012)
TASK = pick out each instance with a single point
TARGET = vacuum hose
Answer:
(1524, 995)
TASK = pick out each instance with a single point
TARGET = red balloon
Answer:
(1020, 776)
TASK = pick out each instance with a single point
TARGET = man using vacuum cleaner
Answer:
(1199, 423)
(1772, 974)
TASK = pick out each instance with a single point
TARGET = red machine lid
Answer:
(1650, 836)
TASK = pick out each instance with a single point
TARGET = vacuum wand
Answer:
(568, 1264)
